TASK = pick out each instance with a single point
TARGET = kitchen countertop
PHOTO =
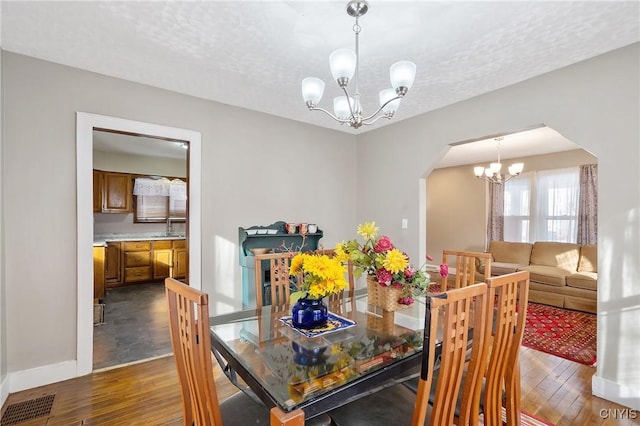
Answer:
(103, 239)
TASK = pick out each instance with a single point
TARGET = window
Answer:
(157, 199)
(542, 206)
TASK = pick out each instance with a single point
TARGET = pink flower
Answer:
(396, 284)
(409, 273)
(444, 270)
(429, 257)
(406, 300)
(383, 276)
(383, 244)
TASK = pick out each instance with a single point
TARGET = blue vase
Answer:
(309, 313)
(308, 357)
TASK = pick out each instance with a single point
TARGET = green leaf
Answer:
(293, 298)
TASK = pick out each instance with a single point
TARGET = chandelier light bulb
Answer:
(495, 167)
(312, 90)
(343, 64)
(478, 171)
(516, 168)
(341, 107)
(402, 74)
(386, 95)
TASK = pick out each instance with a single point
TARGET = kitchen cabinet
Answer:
(162, 259)
(98, 273)
(115, 191)
(180, 259)
(112, 266)
(137, 261)
(97, 190)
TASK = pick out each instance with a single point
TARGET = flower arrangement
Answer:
(321, 275)
(378, 257)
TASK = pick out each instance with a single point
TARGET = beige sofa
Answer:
(562, 274)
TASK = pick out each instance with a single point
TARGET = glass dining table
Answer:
(298, 376)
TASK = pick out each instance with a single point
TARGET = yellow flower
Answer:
(296, 264)
(368, 230)
(322, 275)
(395, 261)
(340, 253)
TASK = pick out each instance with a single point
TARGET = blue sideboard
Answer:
(274, 238)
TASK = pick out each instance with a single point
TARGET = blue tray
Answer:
(334, 323)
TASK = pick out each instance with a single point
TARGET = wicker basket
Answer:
(383, 297)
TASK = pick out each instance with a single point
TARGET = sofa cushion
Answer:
(501, 268)
(588, 258)
(587, 280)
(560, 255)
(547, 274)
(510, 252)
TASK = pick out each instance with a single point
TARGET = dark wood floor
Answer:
(147, 393)
(136, 326)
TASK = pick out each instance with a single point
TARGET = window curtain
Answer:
(495, 226)
(588, 205)
(556, 214)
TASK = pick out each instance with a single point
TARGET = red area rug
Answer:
(561, 332)
(557, 331)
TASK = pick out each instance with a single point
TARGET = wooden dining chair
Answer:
(191, 342)
(466, 265)
(279, 286)
(507, 297)
(449, 318)
(508, 317)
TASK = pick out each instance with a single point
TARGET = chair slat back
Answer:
(510, 293)
(465, 264)
(456, 312)
(191, 343)
(280, 280)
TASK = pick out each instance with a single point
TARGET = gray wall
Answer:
(256, 169)
(457, 201)
(595, 104)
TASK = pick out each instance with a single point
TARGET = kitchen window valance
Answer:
(151, 186)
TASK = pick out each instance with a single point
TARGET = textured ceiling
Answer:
(255, 54)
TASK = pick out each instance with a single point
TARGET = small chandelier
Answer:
(492, 173)
(344, 63)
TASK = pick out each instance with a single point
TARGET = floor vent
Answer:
(27, 410)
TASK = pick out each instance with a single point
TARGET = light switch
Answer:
(405, 223)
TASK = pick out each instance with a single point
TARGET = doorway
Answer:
(85, 125)
(130, 321)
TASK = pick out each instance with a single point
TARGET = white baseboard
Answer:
(4, 390)
(628, 396)
(39, 376)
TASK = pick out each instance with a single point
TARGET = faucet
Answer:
(169, 229)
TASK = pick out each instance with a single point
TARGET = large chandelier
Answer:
(492, 173)
(344, 64)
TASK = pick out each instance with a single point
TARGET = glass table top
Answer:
(294, 369)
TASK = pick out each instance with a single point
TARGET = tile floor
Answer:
(135, 327)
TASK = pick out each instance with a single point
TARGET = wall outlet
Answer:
(405, 223)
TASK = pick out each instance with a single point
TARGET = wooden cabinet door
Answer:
(97, 190)
(113, 270)
(162, 264)
(98, 273)
(180, 263)
(117, 193)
